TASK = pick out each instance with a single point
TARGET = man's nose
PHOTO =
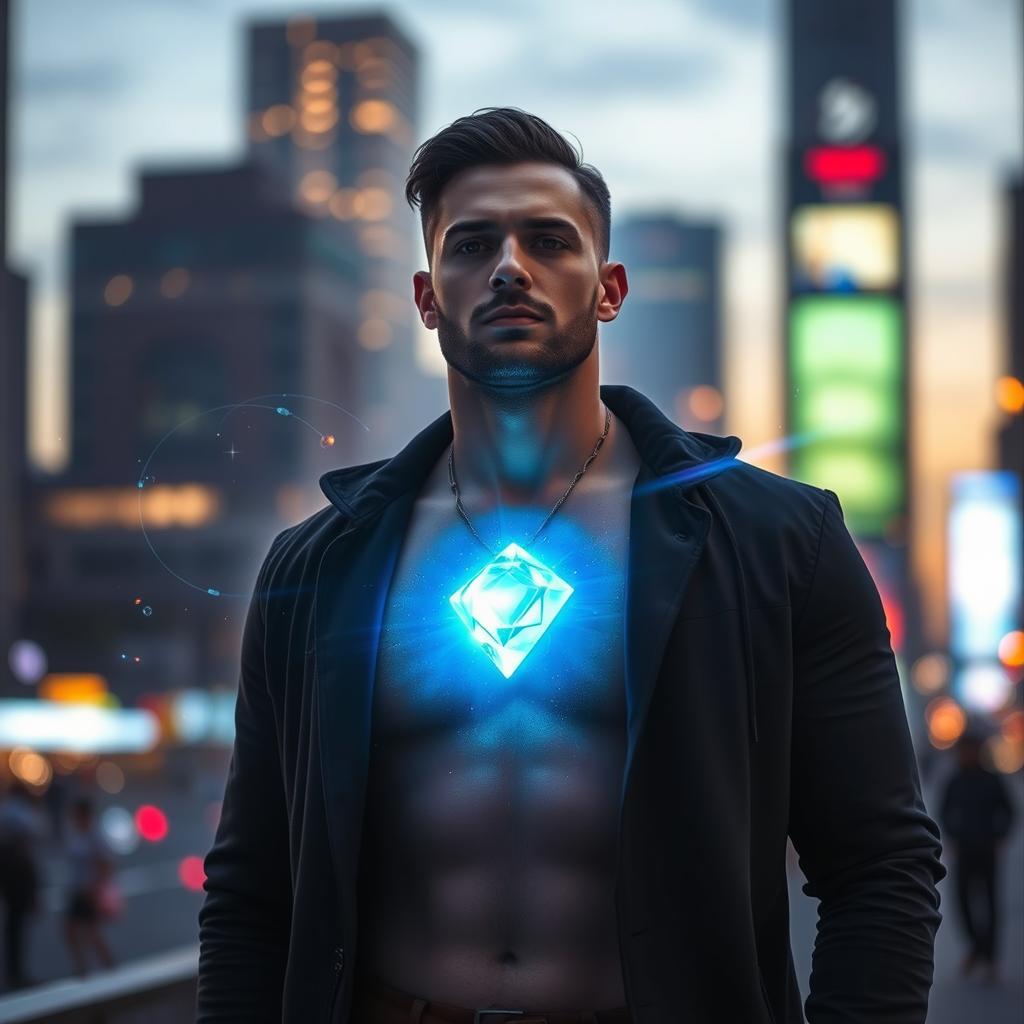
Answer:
(510, 269)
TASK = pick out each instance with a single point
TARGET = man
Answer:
(976, 813)
(554, 781)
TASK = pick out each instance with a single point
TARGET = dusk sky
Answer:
(677, 102)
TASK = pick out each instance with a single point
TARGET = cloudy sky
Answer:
(678, 102)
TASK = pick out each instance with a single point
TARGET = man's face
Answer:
(490, 249)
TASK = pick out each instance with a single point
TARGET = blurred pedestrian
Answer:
(976, 814)
(21, 828)
(91, 871)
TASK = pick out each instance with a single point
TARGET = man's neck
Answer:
(525, 447)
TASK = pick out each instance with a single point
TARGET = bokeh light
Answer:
(109, 777)
(1010, 395)
(119, 830)
(1011, 649)
(151, 823)
(27, 660)
(192, 873)
(30, 767)
(118, 290)
(931, 672)
(946, 722)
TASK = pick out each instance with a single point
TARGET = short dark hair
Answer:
(499, 135)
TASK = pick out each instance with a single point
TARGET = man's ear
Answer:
(423, 294)
(614, 289)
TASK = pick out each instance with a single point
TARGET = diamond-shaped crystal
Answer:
(508, 605)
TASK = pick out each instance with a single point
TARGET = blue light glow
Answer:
(509, 605)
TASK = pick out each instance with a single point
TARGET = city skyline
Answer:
(85, 119)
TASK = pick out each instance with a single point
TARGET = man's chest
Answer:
(433, 676)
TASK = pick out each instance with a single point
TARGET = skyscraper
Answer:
(216, 291)
(332, 115)
(667, 338)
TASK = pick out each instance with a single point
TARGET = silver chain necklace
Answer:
(558, 504)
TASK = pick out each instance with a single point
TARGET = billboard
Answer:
(984, 583)
(846, 405)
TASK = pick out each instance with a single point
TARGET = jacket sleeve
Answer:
(245, 920)
(866, 844)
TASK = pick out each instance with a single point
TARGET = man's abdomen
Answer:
(488, 862)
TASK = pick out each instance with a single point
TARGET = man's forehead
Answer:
(510, 193)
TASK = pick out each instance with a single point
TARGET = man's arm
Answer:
(866, 844)
(245, 920)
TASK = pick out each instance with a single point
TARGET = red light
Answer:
(847, 165)
(151, 823)
(192, 873)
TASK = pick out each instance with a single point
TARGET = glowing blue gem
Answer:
(282, 411)
(213, 592)
(509, 605)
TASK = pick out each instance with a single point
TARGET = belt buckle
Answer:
(478, 1016)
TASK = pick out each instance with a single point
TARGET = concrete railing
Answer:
(158, 990)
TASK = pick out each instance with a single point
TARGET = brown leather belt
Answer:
(376, 1002)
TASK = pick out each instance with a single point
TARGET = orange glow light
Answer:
(372, 204)
(1010, 395)
(706, 403)
(317, 186)
(1011, 649)
(74, 688)
(373, 116)
(1013, 727)
(318, 123)
(374, 334)
(278, 119)
(319, 69)
(163, 506)
(946, 722)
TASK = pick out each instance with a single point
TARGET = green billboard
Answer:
(846, 370)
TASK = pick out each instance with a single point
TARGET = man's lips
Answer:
(508, 320)
(512, 314)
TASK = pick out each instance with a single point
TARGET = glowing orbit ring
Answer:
(249, 403)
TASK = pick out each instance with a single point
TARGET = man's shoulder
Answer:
(298, 546)
(763, 500)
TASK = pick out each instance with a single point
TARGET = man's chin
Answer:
(520, 376)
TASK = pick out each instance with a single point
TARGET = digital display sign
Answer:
(984, 582)
(847, 378)
(845, 248)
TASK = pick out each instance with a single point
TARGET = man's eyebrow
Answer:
(556, 223)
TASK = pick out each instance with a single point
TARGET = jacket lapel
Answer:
(352, 586)
(667, 533)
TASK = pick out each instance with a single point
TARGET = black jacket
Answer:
(763, 701)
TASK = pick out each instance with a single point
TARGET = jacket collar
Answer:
(685, 457)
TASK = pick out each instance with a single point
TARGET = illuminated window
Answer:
(373, 116)
(845, 248)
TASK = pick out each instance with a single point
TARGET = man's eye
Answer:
(547, 238)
